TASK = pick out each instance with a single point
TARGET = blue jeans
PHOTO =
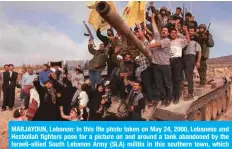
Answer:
(95, 77)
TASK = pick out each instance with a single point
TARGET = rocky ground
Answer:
(214, 70)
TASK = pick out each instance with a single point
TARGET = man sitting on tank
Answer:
(136, 101)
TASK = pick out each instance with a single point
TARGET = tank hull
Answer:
(209, 104)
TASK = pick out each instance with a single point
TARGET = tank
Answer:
(110, 16)
(209, 102)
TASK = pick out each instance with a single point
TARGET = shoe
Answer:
(3, 110)
(150, 103)
(162, 102)
(189, 97)
(167, 103)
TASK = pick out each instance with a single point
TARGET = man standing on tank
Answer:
(206, 41)
(97, 64)
(144, 68)
(161, 53)
(192, 51)
(178, 42)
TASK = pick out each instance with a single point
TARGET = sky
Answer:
(37, 32)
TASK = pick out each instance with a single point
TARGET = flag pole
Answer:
(170, 6)
(191, 7)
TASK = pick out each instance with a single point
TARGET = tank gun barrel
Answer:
(112, 18)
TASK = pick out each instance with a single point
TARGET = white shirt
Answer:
(11, 72)
(177, 46)
(83, 98)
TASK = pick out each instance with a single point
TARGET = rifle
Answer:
(89, 33)
(207, 31)
(183, 14)
(208, 28)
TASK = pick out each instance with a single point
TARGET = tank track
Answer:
(221, 92)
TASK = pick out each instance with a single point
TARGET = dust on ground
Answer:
(5, 117)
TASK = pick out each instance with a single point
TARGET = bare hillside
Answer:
(221, 60)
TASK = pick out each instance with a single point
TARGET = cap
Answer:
(163, 8)
(188, 14)
(202, 26)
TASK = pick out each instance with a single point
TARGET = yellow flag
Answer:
(95, 19)
(91, 4)
(134, 13)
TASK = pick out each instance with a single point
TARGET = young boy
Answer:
(73, 116)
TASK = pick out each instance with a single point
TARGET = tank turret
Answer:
(112, 17)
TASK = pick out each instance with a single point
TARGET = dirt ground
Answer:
(4, 118)
(7, 115)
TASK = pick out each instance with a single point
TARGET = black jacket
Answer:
(7, 78)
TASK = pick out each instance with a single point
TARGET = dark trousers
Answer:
(113, 74)
(8, 97)
(146, 77)
(26, 101)
(189, 63)
(202, 71)
(163, 80)
(177, 73)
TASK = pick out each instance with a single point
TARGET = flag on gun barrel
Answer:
(95, 19)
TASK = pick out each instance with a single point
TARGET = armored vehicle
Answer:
(209, 102)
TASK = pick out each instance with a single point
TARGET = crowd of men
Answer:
(175, 45)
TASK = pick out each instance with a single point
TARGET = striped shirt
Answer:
(161, 55)
(144, 63)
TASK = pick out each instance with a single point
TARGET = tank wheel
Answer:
(224, 104)
(207, 112)
(214, 109)
(195, 116)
